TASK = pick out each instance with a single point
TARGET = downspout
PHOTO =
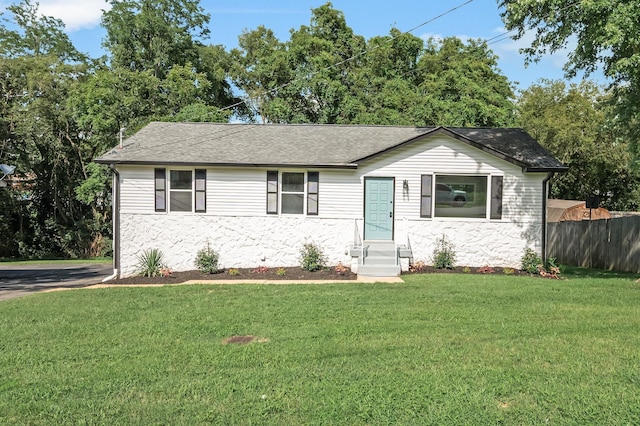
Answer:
(116, 222)
(545, 185)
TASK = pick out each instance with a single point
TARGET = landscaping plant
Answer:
(312, 258)
(444, 255)
(530, 261)
(151, 263)
(207, 260)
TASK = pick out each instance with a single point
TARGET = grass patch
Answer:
(440, 349)
(93, 260)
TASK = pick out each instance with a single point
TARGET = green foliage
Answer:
(605, 35)
(321, 76)
(150, 263)
(444, 255)
(281, 272)
(207, 260)
(571, 122)
(312, 258)
(530, 261)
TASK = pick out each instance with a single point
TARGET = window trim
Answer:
(302, 193)
(181, 190)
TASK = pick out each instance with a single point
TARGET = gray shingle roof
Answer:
(307, 145)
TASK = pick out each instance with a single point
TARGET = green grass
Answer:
(8, 262)
(440, 349)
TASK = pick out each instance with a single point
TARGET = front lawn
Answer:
(440, 349)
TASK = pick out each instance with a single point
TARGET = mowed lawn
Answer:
(439, 349)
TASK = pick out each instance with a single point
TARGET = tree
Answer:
(39, 69)
(571, 122)
(165, 41)
(606, 34)
(35, 35)
(461, 85)
(327, 74)
(261, 68)
(145, 35)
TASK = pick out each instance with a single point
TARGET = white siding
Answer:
(136, 189)
(236, 192)
(236, 216)
(442, 155)
(341, 194)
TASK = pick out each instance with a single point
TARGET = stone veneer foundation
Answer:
(272, 241)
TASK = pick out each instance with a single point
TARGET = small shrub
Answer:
(165, 272)
(466, 269)
(150, 263)
(233, 271)
(281, 272)
(552, 269)
(341, 269)
(508, 271)
(207, 260)
(261, 270)
(312, 258)
(530, 261)
(418, 266)
(444, 255)
(486, 270)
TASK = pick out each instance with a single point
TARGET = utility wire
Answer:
(231, 130)
(362, 53)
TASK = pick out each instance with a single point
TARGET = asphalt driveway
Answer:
(21, 280)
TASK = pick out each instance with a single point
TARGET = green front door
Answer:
(378, 208)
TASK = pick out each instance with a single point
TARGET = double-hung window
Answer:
(463, 196)
(186, 190)
(293, 192)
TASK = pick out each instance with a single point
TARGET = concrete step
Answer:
(379, 270)
(378, 259)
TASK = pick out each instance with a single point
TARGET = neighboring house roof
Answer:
(562, 210)
(308, 145)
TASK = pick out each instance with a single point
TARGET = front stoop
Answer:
(380, 260)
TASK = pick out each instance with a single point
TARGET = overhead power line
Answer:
(362, 53)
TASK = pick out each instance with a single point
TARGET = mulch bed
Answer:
(485, 270)
(294, 273)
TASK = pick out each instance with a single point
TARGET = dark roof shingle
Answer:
(307, 144)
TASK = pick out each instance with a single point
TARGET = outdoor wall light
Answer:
(405, 185)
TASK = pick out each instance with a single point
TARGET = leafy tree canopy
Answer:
(146, 35)
(571, 122)
(607, 34)
(325, 73)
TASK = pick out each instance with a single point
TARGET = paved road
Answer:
(21, 280)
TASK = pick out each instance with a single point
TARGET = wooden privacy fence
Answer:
(603, 244)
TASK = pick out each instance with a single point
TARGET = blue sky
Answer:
(477, 19)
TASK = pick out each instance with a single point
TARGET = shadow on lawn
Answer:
(580, 272)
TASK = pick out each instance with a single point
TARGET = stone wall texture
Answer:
(272, 241)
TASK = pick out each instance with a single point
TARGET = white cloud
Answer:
(509, 47)
(76, 14)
